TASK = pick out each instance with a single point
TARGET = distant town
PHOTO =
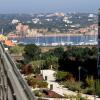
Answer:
(31, 25)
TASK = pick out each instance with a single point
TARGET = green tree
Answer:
(58, 52)
(16, 50)
(78, 56)
(61, 75)
(51, 61)
(32, 52)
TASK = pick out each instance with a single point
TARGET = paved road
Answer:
(58, 88)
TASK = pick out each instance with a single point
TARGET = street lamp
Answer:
(41, 69)
(94, 89)
(79, 69)
(51, 67)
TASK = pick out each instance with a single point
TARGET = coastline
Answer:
(56, 35)
(61, 35)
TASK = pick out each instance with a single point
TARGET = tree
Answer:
(26, 69)
(16, 49)
(32, 52)
(75, 57)
(58, 52)
(51, 60)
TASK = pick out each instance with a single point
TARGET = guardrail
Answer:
(22, 81)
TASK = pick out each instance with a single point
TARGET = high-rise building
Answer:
(98, 62)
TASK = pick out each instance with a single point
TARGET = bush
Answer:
(36, 83)
(37, 93)
(90, 81)
(97, 87)
(42, 84)
(26, 69)
(60, 75)
(16, 50)
(89, 90)
(74, 86)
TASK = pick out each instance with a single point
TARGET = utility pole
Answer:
(79, 75)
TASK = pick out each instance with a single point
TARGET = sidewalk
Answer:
(58, 88)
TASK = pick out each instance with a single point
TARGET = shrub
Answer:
(90, 81)
(60, 75)
(16, 50)
(37, 93)
(26, 69)
(89, 90)
(36, 83)
(74, 86)
(97, 87)
(42, 84)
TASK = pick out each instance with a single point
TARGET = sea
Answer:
(59, 40)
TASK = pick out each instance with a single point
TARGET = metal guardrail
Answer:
(22, 81)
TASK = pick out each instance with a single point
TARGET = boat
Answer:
(69, 43)
(62, 42)
(37, 40)
(54, 44)
(81, 43)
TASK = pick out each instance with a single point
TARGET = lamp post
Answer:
(51, 67)
(94, 89)
(79, 69)
(41, 65)
(39, 69)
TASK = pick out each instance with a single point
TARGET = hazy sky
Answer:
(37, 6)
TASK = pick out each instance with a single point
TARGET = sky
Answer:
(47, 6)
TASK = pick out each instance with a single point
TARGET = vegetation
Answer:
(51, 62)
(16, 50)
(61, 60)
(26, 69)
(97, 87)
(31, 52)
(60, 75)
(75, 57)
(35, 83)
(72, 85)
(66, 63)
(38, 93)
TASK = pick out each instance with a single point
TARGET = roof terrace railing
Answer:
(8, 61)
